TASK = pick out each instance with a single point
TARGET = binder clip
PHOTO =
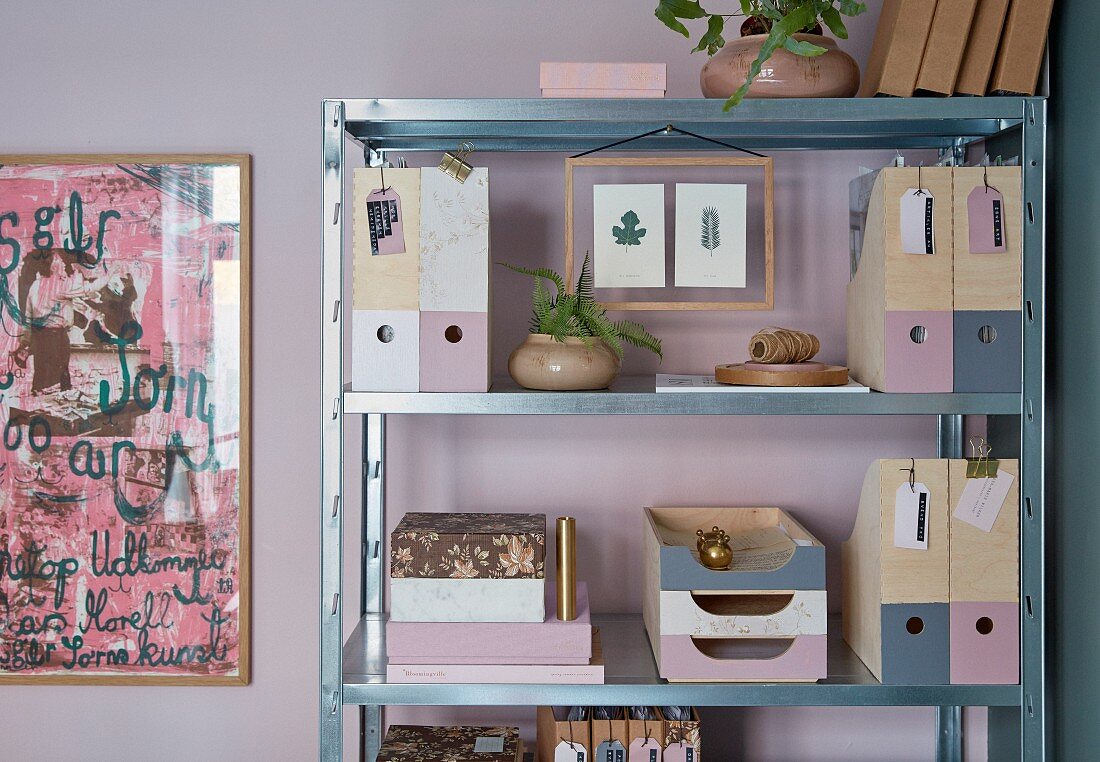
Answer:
(455, 165)
(980, 465)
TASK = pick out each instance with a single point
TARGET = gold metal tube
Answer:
(567, 568)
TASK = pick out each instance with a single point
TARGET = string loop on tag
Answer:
(912, 474)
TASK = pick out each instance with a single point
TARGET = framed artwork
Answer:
(721, 228)
(628, 224)
(124, 405)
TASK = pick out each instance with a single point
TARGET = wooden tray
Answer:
(757, 374)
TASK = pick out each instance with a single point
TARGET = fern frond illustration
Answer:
(709, 237)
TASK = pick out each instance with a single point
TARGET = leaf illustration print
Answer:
(709, 237)
(629, 234)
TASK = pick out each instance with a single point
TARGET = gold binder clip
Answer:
(980, 465)
(455, 165)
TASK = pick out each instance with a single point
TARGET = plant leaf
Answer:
(668, 19)
(630, 234)
(802, 47)
(634, 334)
(684, 9)
(538, 272)
(709, 236)
(746, 7)
(712, 41)
(585, 286)
(834, 22)
(852, 7)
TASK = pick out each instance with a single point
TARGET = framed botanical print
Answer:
(715, 213)
(124, 408)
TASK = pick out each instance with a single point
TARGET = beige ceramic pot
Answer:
(540, 362)
(833, 74)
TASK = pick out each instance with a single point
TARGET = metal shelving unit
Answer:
(353, 673)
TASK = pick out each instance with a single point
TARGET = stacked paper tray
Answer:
(763, 619)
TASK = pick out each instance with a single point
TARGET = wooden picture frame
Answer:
(134, 477)
(765, 162)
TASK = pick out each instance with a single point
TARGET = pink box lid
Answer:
(617, 76)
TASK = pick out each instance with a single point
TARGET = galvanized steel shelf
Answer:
(635, 395)
(631, 678)
(354, 673)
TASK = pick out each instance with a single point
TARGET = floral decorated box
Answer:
(416, 743)
(469, 546)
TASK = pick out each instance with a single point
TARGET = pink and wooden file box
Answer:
(454, 352)
(985, 588)
(602, 80)
(900, 335)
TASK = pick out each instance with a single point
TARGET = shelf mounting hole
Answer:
(915, 625)
(386, 334)
(987, 334)
(453, 334)
(984, 625)
(918, 334)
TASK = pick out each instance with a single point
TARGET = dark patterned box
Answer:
(417, 743)
(469, 546)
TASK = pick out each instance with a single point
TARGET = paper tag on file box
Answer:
(679, 752)
(610, 751)
(917, 222)
(384, 215)
(569, 752)
(911, 506)
(982, 499)
(986, 220)
(644, 750)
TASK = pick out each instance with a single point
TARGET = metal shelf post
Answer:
(1034, 739)
(332, 430)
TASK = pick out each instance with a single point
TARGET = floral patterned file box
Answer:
(468, 567)
(415, 743)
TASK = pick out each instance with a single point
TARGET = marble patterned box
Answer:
(462, 546)
(550, 641)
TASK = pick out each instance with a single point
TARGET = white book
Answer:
(667, 382)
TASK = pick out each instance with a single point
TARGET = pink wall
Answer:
(248, 77)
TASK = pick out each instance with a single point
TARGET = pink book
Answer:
(548, 642)
(548, 674)
(607, 76)
(597, 92)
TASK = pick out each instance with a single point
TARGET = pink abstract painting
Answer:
(123, 378)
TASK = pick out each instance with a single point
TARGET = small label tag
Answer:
(569, 752)
(911, 506)
(488, 744)
(384, 219)
(982, 499)
(611, 751)
(917, 222)
(644, 750)
(985, 219)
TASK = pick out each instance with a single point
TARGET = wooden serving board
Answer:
(754, 374)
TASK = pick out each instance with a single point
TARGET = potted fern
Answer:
(573, 344)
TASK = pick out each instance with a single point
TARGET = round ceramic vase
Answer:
(833, 74)
(540, 362)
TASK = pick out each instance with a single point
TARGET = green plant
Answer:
(779, 19)
(630, 234)
(578, 314)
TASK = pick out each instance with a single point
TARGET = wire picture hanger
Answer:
(668, 129)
